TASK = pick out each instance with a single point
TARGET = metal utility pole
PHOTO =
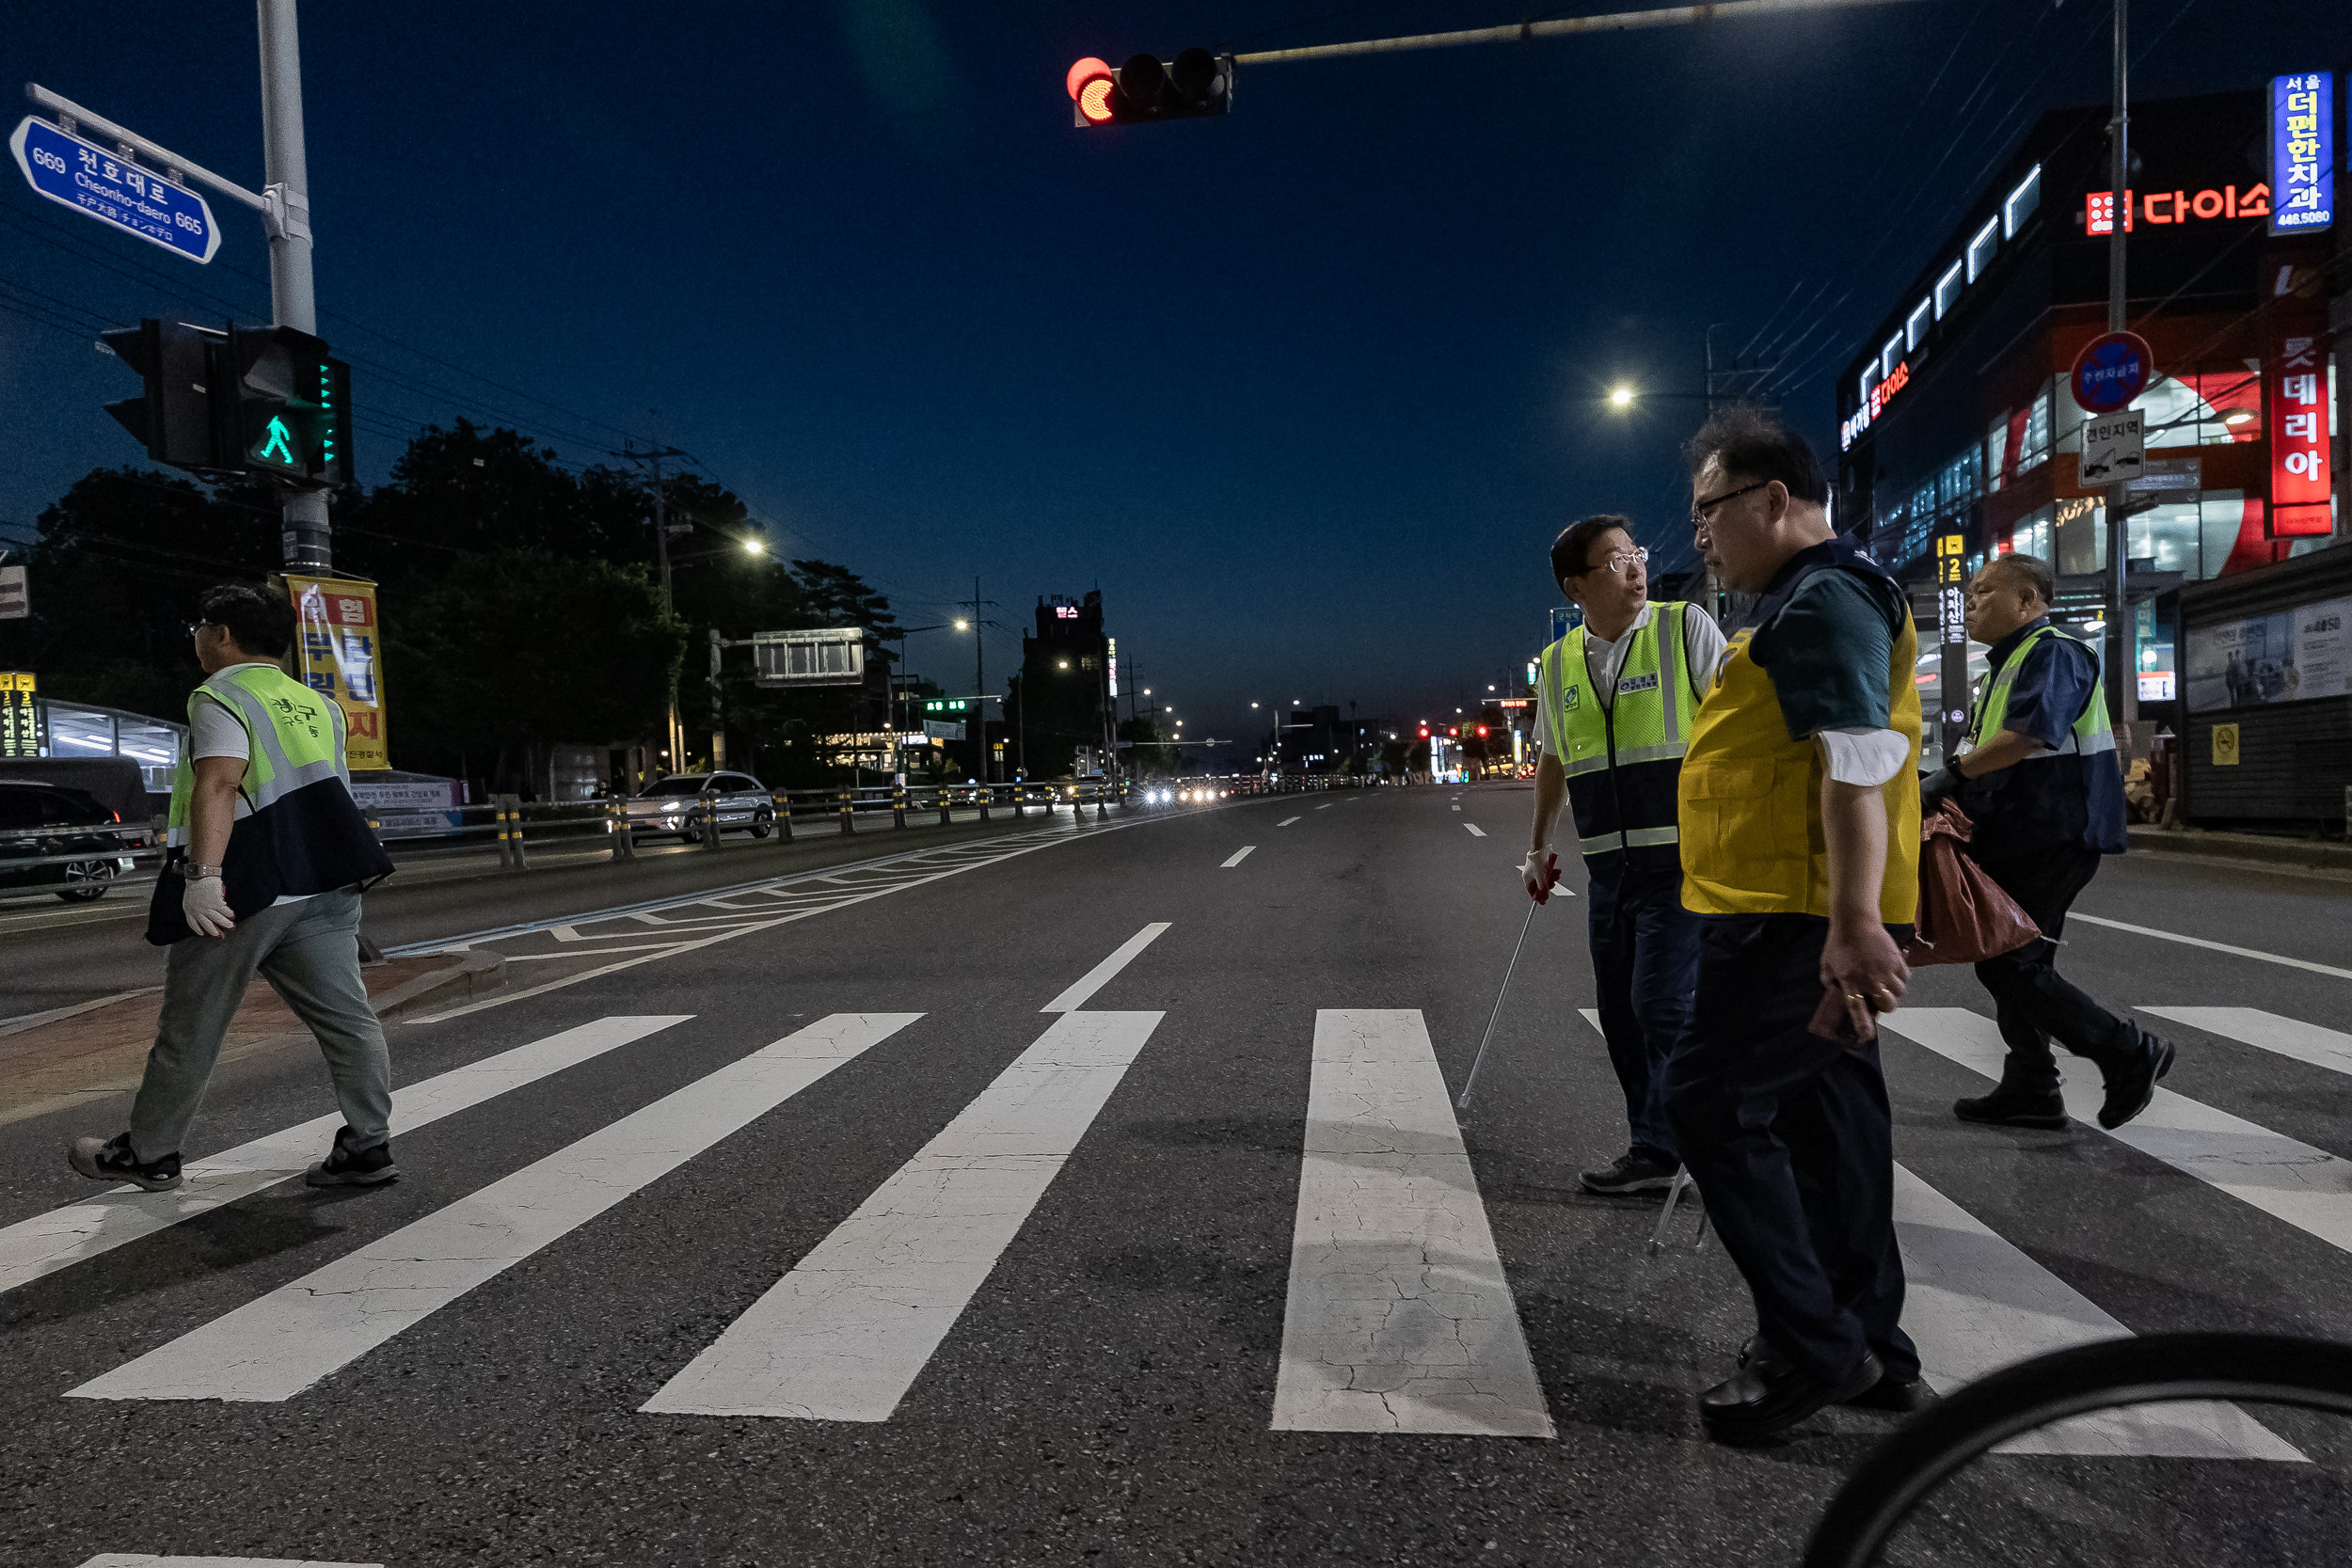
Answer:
(677, 736)
(2122, 685)
(979, 681)
(305, 540)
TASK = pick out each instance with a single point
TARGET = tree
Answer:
(1148, 753)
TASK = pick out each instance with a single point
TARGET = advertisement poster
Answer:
(338, 652)
(2291, 656)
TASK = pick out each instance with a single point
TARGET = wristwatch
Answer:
(202, 872)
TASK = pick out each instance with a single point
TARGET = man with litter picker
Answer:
(2037, 777)
(1614, 701)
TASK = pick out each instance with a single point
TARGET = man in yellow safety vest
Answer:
(269, 851)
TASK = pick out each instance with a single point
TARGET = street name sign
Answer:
(2115, 446)
(2112, 369)
(114, 190)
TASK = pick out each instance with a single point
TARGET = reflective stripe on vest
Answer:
(1620, 756)
(294, 738)
(2090, 733)
(1751, 797)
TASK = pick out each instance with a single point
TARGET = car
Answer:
(38, 819)
(669, 805)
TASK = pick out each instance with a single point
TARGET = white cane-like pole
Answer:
(1478, 1061)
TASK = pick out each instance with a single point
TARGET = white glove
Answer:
(205, 905)
(1540, 873)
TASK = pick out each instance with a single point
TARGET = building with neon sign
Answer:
(1954, 414)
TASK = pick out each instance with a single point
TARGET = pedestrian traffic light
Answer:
(173, 416)
(285, 408)
(1146, 88)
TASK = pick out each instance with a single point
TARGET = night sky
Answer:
(1304, 390)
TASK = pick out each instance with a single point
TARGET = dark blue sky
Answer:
(1304, 390)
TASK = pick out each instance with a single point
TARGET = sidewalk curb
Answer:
(2254, 848)
(474, 972)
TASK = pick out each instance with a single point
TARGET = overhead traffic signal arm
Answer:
(1194, 83)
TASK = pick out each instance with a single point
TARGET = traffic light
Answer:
(1425, 732)
(948, 704)
(285, 408)
(1146, 88)
(173, 416)
(1482, 732)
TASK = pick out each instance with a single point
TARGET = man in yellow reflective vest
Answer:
(269, 851)
(1615, 702)
(2045, 797)
(1800, 818)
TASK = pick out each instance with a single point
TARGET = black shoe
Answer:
(345, 1167)
(111, 1160)
(1767, 1398)
(2008, 1107)
(2130, 1089)
(1634, 1171)
(1889, 1392)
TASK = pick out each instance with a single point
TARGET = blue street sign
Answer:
(1564, 619)
(110, 188)
(2112, 370)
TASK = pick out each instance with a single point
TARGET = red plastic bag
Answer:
(1964, 917)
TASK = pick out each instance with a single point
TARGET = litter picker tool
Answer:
(1478, 1061)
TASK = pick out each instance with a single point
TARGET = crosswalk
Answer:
(1399, 1314)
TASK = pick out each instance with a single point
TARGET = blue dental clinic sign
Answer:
(2302, 153)
(112, 189)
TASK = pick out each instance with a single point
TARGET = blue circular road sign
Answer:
(2111, 371)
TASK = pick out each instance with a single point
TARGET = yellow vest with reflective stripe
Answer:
(2090, 735)
(1621, 755)
(1750, 798)
(294, 738)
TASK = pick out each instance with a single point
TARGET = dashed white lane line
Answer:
(1238, 856)
(62, 1237)
(276, 1346)
(1476, 832)
(1286, 821)
(1328, 806)
(144, 1559)
(2305, 1042)
(1099, 975)
(2308, 1188)
(1975, 1304)
(1457, 808)
(2216, 946)
(1399, 1318)
(845, 1334)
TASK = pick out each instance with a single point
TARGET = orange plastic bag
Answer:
(1964, 917)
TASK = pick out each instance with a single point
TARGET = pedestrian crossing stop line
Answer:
(2305, 1042)
(1399, 1318)
(844, 1335)
(2229, 948)
(80, 1232)
(2308, 1188)
(273, 1347)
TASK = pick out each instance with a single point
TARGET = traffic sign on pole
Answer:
(2112, 369)
(114, 190)
(2115, 447)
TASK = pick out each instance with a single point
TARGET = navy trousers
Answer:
(1791, 1141)
(2035, 1003)
(1646, 955)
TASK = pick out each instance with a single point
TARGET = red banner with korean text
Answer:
(2294, 393)
(339, 651)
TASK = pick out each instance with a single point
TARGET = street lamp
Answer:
(1621, 397)
(755, 547)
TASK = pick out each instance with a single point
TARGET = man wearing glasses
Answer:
(1800, 817)
(268, 854)
(1615, 698)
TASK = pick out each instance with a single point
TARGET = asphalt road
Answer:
(789, 1227)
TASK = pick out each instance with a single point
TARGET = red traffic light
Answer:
(1481, 729)
(1455, 730)
(1090, 85)
(1425, 732)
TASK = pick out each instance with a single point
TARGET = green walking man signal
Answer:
(262, 400)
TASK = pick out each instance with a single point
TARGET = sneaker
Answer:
(345, 1167)
(1634, 1171)
(2130, 1089)
(2008, 1107)
(111, 1160)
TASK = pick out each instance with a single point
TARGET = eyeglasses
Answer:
(1700, 508)
(1619, 561)
(194, 626)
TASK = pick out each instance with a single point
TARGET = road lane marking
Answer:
(1327, 806)
(1286, 821)
(147, 1560)
(276, 1346)
(1239, 855)
(844, 1335)
(1457, 808)
(1975, 1304)
(62, 1237)
(2308, 1188)
(1099, 975)
(1476, 832)
(2305, 1042)
(2216, 947)
(1399, 1318)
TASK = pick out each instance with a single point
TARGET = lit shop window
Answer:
(1995, 452)
(1980, 250)
(2021, 203)
(1947, 291)
(2033, 448)
(1916, 325)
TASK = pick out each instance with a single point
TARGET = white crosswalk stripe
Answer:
(275, 1347)
(1237, 856)
(2308, 1188)
(1399, 1318)
(120, 1215)
(2287, 1037)
(845, 1334)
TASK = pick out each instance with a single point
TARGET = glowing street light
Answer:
(1620, 397)
(755, 547)
(963, 625)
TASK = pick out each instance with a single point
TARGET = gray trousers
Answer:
(310, 954)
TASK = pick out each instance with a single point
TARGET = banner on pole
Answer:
(338, 653)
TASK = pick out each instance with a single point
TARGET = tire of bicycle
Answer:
(2315, 1374)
